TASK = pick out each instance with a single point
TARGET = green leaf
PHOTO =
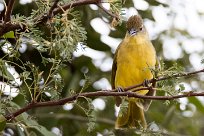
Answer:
(29, 122)
(4, 72)
(86, 84)
(2, 122)
(9, 34)
(90, 113)
(181, 87)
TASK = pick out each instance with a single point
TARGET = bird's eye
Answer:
(141, 28)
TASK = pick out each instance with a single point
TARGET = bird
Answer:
(133, 60)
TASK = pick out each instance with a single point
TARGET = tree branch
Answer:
(111, 93)
(74, 4)
(94, 94)
(56, 10)
(108, 12)
(50, 13)
(6, 27)
(9, 11)
(165, 78)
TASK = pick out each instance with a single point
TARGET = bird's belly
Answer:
(134, 67)
(128, 76)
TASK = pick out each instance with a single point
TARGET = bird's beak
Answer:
(132, 32)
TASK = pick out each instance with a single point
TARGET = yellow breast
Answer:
(136, 56)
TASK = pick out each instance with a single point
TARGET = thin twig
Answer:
(94, 94)
(165, 78)
(108, 12)
(111, 93)
(50, 13)
(74, 4)
(56, 10)
(178, 75)
(6, 27)
(9, 11)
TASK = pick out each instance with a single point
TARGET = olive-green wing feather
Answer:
(114, 69)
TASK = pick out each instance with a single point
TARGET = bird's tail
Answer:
(133, 117)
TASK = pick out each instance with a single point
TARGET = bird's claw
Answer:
(146, 83)
(120, 89)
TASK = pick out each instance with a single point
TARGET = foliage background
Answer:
(175, 28)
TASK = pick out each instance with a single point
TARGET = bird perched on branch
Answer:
(133, 61)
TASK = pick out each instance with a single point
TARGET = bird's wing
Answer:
(114, 69)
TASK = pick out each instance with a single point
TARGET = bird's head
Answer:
(135, 25)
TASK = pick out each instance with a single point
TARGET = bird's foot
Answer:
(146, 83)
(120, 89)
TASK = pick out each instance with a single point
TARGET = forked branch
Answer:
(113, 92)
